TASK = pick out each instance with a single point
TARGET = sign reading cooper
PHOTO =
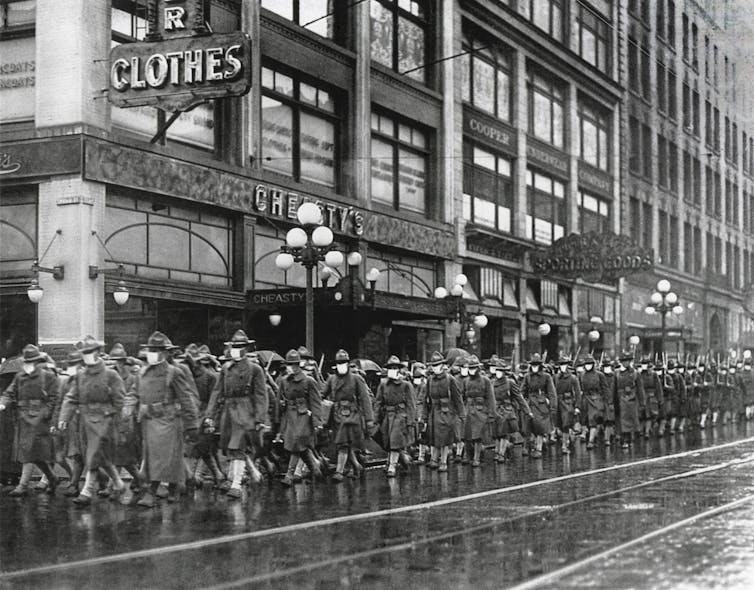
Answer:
(592, 257)
(182, 66)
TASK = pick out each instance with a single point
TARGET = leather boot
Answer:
(342, 458)
(392, 460)
(477, 459)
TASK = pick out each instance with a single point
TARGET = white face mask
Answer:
(608, 370)
(464, 371)
(563, 368)
(437, 369)
(342, 368)
(499, 374)
(89, 358)
(473, 372)
(535, 369)
(392, 373)
(417, 380)
(235, 353)
(701, 369)
(71, 371)
(588, 367)
(29, 368)
(732, 371)
(153, 358)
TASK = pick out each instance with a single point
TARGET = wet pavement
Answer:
(494, 527)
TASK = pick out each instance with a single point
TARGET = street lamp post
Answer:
(469, 321)
(309, 245)
(663, 301)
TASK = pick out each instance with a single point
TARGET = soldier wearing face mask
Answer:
(675, 396)
(480, 410)
(352, 413)
(702, 387)
(459, 370)
(629, 395)
(419, 382)
(653, 395)
(241, 389)
(300, 402)
(442, 411)
(594, 393)
(68, 443)
(34, 392)
(568, 390)
(539, 390)
(98, 394)
(747, 378)
(509, 404)
(395, 409)
(166, 411)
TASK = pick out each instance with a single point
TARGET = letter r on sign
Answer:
(174, 18)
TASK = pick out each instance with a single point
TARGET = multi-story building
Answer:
(438, 138)
(537, 121)
(688, 189)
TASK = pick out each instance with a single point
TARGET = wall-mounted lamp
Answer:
(120, 293)
(35, 292)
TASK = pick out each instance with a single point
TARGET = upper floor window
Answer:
(487, 188)
(594, 38)
(545, 207)
(399, 36)
(594, 136)
(546, 109)
(400, 155)
(17, 13)
(547, 15)
(318, 16)
(487, 78)
(594, 213)
(300, 128)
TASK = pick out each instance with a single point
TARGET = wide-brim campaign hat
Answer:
(32, 354)
(393, 363)
(118, 352)
(292, 357)
(436, 359)
(90, 344)
(158, 340)
(73, 357)
(473, 362)
(342, 357)
(304, 353)
(564, 360)
(626, 356)
(536, 359)
(239, 339)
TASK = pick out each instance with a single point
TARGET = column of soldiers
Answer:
(172, 420)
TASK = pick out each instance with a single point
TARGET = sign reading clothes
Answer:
(594, 257)
(181, 65)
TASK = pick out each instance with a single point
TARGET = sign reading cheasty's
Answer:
(180, 66)
(592, 256)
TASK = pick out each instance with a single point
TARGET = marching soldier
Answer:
(395, 409)
(629, 395)
(703, 391)
(509, 403)
(747, 379)
(34, 392)
(97, 393)
(653, 399)
(568, 390)
(352, 413)
(68, 444)
(539, 390)
(419, 381)
(443, 409)
(241, 389)
(480, 410)
(166, 410)
(675, 396)
(595, 391)
(301, 404)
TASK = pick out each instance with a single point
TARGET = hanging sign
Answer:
(181, 64)
(592, 257)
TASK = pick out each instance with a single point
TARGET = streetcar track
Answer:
(554, 575)
(232, 538)
(540, 510)
(399, 510)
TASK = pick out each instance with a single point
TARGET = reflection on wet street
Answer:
(470, 528)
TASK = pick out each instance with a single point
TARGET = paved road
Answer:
(554, 521)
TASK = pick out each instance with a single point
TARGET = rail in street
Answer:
(520, 521)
